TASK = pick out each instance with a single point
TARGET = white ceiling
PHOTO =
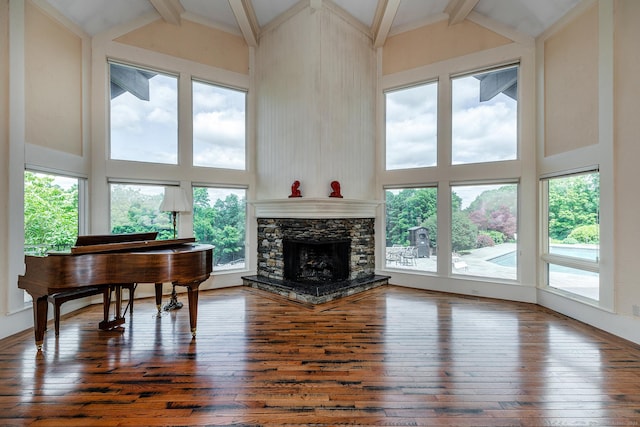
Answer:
(530, 17)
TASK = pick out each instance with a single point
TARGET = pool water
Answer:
(510, 259)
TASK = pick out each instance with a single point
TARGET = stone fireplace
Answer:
(317, 236)
(315, 259)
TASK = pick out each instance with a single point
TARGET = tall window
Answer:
(572, 246)
(218, 126)
(144, 115)
(219, 218)
(485, 117)
(412, 228)
(484, 225)
(51, 212)
(135, 209)
(412, 127)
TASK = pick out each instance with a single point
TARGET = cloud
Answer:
(484, 133)
(411, 129)
(219, 139)
(124, 116)
(147, 130)
(481, 132)
(219, 126)
(221, 157)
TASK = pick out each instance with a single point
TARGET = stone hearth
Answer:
(357, 232)
(314, 294)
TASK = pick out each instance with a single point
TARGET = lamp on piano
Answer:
(175, 200)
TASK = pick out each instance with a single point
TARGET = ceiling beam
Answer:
(170, 10)
(385, 14)
(459, 9)
(246, 19)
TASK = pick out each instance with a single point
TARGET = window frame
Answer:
(385, 265)
(497, 183)
(83, 191)
(247, 255)
(184, 173)
(385, 92)
(83, 203)
(246, 132)
(157, 70)
(485, 70)
(547, 258)
(139, 183)
(445, 174)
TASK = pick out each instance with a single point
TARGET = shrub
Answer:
(586, 234)
(463, 232)
(484, 240)
(497, 236)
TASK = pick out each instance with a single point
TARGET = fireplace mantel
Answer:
(300, 207)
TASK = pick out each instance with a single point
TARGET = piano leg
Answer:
(106, 324)
(40, 311)
(192, 292)
(159, 298)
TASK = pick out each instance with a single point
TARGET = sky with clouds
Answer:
(148, 130)
(218, 126)
(411, 127)
(481, 131)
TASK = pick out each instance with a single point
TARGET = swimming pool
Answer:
(510, 258)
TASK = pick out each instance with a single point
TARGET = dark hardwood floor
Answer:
(388, 356)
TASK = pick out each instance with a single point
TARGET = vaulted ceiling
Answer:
(249, 17)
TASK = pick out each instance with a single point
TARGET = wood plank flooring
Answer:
(388, 356)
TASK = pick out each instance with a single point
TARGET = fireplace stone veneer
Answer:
(272, 232)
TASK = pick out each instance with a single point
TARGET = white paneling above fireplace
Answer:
(315, 110)
(315, 208)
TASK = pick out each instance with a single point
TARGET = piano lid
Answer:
(95, 239)
(123, 242)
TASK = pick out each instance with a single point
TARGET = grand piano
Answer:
(112, 261)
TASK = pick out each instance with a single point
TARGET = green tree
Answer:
(573, 202)
(409, 208)
(464, 233)
(204, 216)
(50, 212)
(221, 224)
(133, 211)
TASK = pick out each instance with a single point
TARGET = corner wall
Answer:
(315, 96)
(626, 155)
(4, 148)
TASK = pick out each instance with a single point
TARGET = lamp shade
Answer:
(175, 200)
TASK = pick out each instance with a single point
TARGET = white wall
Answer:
(315, 92)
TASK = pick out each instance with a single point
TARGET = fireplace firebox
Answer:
(316, 261)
